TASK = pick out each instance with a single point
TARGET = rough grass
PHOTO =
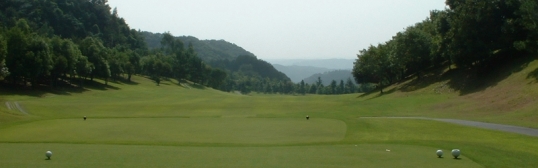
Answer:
(507, 95)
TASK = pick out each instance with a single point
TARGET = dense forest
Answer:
(208, 50)
(470, 34)
(70, 41)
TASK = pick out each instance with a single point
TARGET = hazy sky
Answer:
(275, 29)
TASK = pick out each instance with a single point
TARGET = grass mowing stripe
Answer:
(178, 131)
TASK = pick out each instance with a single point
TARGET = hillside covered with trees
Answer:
(245, 72)
(208, 50)
(471, 35)
(60, 43)
(67, 42)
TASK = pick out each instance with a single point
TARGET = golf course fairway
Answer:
(143, 125)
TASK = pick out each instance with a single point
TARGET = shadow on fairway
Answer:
(123, 81)
(378, 94)
(99, 86)
(61, 88)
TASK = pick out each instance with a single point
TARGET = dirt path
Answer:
(15, 106)
(499, 127)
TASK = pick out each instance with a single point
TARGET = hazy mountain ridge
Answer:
(328, 77)
(307, 69)
(297, 73)
(331, 64)
(207, 50)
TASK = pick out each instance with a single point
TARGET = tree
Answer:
(334, 87)
(350, 86)
(133, 64)
(98, 55)
(313, 89)
(217, 78)
(479, 29)
(84, 69)
(341, 88)
(17, 46)
(65, 55)
(37, 60)
(29, 56)
(528, 22)
(372, 66)
(412, 50)
(302, 88)
(156, 67)
(3, 53)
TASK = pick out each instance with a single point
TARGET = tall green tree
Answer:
(412, 50)
(3, 53)
(302, 88)
(98, 55)
(38, 60)
(350, 86)
(372, 66)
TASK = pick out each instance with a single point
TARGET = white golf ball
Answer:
(456, 153)
(439, 153)
(48, 154)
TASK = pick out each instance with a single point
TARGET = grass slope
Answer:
(139, 124)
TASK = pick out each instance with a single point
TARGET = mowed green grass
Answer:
(178, 131)
(76, 155)
(143, 125)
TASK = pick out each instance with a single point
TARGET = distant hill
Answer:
(298, 73)
(328, 77)
(343, 64)
(207, 50)
(244, 71)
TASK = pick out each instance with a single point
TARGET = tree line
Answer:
(471, 34)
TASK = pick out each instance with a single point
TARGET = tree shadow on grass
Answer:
(123, 81)
(60, 88)
(477, 79)
(466, 80)
(99, 86)
(377, 93)
(533, 74)
(188, 85)
(428, 77)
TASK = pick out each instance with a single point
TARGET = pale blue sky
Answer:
(276, 29)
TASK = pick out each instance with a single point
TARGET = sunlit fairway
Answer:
(76, 155)
(178, 131)
(144, 125)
